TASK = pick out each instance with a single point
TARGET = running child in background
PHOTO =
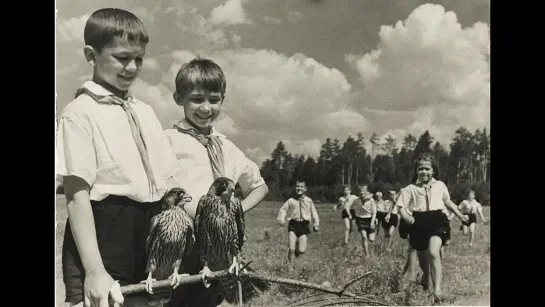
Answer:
(391, 218)
(382, 210)
(470, 207)
(365, 216)
(345, 202)
(299, 210)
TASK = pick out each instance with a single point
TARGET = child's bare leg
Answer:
(300, 250)
(372, 236)
(390, 238)
(471, 233)
(435, 261)
(464, 230)
(292, 241)
(409, 269)
(348, 225)
(365, 243)
(425, 266)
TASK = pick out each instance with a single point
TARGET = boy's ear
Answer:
(177, 98)
(89, 53)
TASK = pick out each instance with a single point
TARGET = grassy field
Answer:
(466, 270)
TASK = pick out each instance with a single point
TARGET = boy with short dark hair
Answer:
(116, 162)
(205, 154)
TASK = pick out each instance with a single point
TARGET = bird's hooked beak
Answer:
(186, 198)
(228, 194)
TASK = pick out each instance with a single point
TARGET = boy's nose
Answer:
(131, 67)
(205, 106)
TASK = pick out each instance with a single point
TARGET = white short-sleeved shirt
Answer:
(299, 210)
(384, 205)
(364, 208)
(347, 201)
(95, 143)
(413, 197)
(195, 172)
(468, 207)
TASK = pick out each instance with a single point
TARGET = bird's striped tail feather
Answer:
(251, 287)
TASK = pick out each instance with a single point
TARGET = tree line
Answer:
(465, 166)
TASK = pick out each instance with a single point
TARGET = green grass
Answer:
(466, 271)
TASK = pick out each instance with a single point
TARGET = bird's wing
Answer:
(153, 235)
(201, 208)
(188, 239)
(239, 218)
(201, 234)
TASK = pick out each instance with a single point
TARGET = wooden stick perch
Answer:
(165, 284)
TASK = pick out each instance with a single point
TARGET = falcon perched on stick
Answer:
(170, 239)
(219, 232)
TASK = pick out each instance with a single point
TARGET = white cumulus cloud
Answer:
(430, 67)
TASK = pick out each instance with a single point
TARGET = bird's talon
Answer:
(176, 279)
(205, 274)
(148, 283)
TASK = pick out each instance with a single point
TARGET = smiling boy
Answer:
(205, 154)
(116, 162)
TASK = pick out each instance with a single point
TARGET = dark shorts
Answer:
(428, 224)
(381, 216)
(364, 223)
(299, 228)
(393, 222)
(122, 226)
(403, 229)
(472, 219)
(344, 215)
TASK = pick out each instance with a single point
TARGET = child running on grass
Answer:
(428, 223)
(470, 207)
(299, 210)
(365, 216)
(382, 210)
(391, 218)
(347, 215)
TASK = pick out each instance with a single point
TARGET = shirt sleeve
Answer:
(250, 177)
(404, 199)
(76, 154)
(282, 212)
(461, 205)
(446, 194)
(314, 213)
(170, 161)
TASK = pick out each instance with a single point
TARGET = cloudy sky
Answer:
(303, 70)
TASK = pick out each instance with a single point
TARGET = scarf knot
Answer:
(213, 145)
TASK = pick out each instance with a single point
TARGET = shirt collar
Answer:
(184, 124)
(100, 92)
(303, 198)
(421, 184)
